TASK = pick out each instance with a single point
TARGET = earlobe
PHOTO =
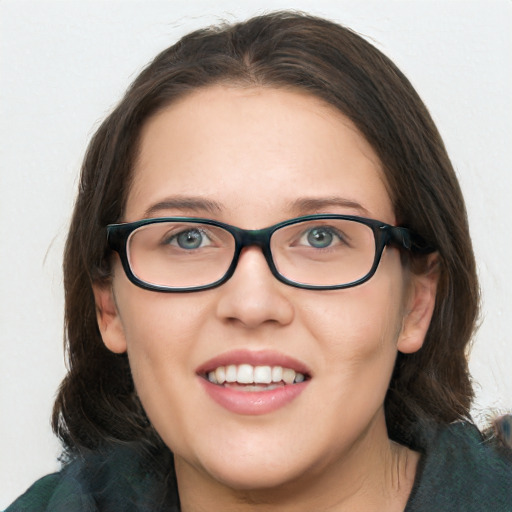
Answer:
(420, 307)
(109, 321)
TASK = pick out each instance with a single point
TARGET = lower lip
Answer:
(253, 402)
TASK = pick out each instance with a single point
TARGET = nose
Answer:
(253, 296)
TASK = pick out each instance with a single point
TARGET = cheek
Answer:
(359, 322)
(156, 322)
(358, 329)
(160, 331)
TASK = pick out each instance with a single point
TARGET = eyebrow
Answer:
(313, 204)
(184, 203)
(301, 206)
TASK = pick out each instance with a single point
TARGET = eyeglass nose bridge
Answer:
(253, 238)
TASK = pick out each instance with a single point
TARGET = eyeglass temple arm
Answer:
(405, 238)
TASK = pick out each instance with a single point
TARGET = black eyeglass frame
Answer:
(385, 234)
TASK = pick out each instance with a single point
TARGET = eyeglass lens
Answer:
(185, 255)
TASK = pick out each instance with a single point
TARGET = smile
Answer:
(247, 377)
(253, 382)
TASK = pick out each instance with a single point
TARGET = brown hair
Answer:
(97, 402)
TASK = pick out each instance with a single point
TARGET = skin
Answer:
(254, 152)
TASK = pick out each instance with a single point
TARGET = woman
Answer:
(270, 288)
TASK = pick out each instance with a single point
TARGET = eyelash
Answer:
(172, 238)
(328, 229)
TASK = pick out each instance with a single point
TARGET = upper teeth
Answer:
(248, 374)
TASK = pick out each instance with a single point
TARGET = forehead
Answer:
(254, 149)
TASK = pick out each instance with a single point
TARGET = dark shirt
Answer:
(458, 472)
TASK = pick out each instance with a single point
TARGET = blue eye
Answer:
(189, 239)
(320, 237)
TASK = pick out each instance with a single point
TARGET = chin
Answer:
(245, 470)
(253, 476)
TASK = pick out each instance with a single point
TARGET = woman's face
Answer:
(252, 157)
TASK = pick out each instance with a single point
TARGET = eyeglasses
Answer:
(317, 252)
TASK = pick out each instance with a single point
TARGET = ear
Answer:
(109, 321)
(420, 306)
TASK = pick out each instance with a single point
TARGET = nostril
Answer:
(253, 297)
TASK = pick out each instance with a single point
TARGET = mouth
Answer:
(246, 377)
(253, 382)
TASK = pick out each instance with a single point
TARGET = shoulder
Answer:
(120, 478)
(57, 492)
(461, 470)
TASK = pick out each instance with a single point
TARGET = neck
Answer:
(375, 474)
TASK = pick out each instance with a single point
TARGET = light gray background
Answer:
(65, 64)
